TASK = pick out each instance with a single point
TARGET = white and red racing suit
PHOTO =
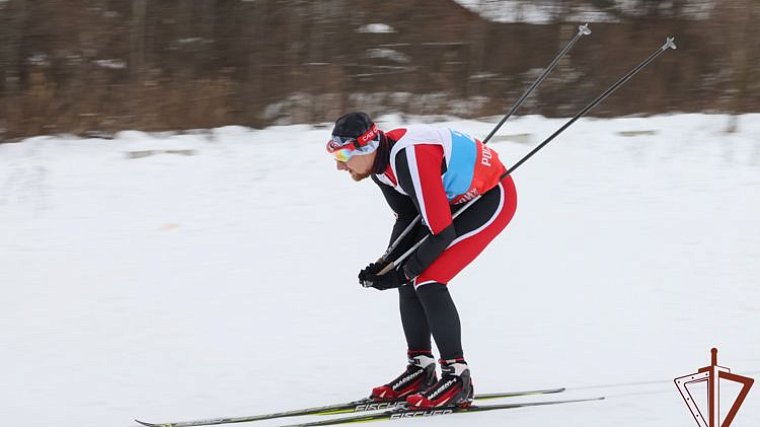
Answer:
(432, 172)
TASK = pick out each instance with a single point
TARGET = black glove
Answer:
(392, 279)
(373, 268)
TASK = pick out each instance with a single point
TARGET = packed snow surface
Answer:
(170, 277)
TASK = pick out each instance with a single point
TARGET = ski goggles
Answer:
(343, 148)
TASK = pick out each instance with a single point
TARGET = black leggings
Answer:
(430, 309)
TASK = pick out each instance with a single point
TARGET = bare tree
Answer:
(13, 17)
(137, 38)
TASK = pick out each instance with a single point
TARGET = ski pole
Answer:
(583, 30)
(669, 44)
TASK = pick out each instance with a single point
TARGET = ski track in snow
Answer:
(217, 275)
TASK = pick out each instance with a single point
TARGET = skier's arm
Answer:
(405, 212)
(418, 169)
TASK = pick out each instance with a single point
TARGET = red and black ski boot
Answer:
(419, 375)
(453, 389)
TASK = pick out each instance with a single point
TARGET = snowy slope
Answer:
(173, 277)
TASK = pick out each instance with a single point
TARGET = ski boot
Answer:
(454, 389)
(419, 375)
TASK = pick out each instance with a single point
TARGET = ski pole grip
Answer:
(387, 268)
(584, 30)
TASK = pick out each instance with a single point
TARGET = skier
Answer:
(432, 172)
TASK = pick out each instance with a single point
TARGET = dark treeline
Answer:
(93, 67)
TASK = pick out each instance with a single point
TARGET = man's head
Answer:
(354, 143)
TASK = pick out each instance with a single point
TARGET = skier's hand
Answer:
(373, 268)
(392, 279)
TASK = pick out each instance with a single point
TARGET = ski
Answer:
(362, 405)
(398, 414)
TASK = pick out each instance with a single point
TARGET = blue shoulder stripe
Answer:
(461, 167)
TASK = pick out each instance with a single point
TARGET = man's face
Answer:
(360, 167)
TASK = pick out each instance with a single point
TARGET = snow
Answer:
(390, 54)
(376, 28)
(216, 276)
(114, 64)
(546, 12)
(512, 11)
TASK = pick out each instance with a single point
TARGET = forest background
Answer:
(94, 67)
